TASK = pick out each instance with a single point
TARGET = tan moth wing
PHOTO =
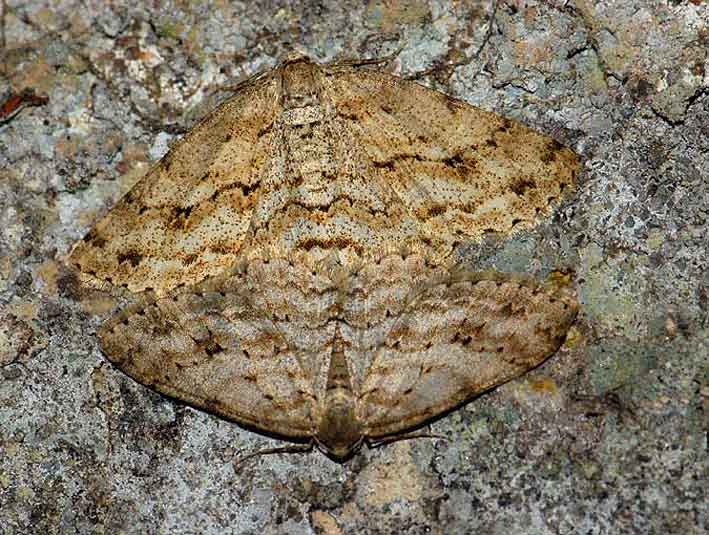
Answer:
(187, 218)
(456, 340)
(459, 170)
(210, 348)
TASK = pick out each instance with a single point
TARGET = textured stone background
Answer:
(609, 436)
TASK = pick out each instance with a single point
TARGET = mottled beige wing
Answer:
(457, 340)
(459, 170)
(211, 349)
(187, 218)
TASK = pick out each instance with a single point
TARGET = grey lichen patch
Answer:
(619, 362)
(613, 293)
(684, 82)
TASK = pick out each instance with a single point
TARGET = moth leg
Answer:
(377, 443)
(293, 448)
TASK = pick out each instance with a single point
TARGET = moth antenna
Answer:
(368, 61)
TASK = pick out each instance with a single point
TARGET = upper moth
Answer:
(292, 257)
(310, 158)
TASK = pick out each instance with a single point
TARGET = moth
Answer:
(291, 257)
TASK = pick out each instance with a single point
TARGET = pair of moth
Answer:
(291, 259)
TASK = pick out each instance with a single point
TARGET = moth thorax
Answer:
(339, 432)
(298, 86)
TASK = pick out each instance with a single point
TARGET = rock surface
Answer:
(609, 436)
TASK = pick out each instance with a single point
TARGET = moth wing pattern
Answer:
(187, 218)
(457, 340)
(211, 349)
(461, 171)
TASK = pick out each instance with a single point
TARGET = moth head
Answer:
(339, 433)
(295, 56)
(340, 450)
